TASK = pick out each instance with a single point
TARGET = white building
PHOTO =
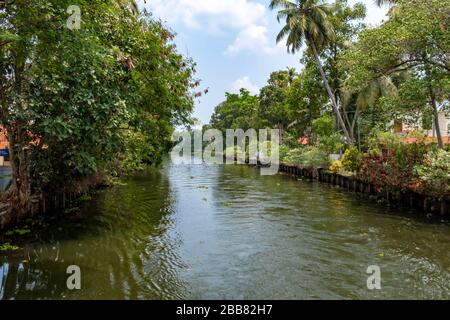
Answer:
(411, 123)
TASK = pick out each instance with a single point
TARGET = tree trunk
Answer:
(20, 194)
(437, 126)
(433, 103)
(330, 93)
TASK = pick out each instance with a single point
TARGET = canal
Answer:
(226, 232)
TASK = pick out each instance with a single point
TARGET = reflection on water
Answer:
(225, 232)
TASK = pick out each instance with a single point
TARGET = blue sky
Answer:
(232, 42)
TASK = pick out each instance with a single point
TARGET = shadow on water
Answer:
(119, 240)
(217, 232)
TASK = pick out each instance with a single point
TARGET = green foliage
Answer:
(18, 231)
(323, 126)
(352, 160)
(410, 51)
(5, 247)
(327, 138)
(336, 166)
(434, 173)
(391, 164)
(238, 111)
(310, 156)
(289, 102)
(101, 99)
(306, 97)
(380, 140)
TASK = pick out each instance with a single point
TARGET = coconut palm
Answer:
(307, 22)
(393, 9)
(134, 7)
(384, 2)
(367, 96)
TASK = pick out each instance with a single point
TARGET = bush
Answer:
(383, 140)
(327, 138)
(434, 173)
(336, 166)
(352, 160)
(307, 156)
(393, 170)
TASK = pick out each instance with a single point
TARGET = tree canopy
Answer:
(103, 98)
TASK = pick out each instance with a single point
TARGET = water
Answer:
(225, 232)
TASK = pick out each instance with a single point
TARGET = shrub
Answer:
(336, 166)
(434, 173)
(394, 170)
(383, 140)
(314, 157)
(327, 138)
(352, 160)
(331, 144)
(306, 156)
(284, 152)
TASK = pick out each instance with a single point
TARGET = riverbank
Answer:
(43, 203)
(423, 203)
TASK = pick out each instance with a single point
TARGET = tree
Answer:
(347, 22)
(238, 111)
(273, 106)
(308, 20)
(414, 41)
(306, 98)
(77, 103)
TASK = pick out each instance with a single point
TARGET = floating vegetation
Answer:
(191, 177)
(18, 232)
(226, 204)
(8, 247)
(72, 210)
(202, 187)
(85, 197)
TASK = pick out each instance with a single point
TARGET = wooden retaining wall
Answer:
(421, 203)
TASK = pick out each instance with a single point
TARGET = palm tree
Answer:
(384, 2)
(134, 7)
(393, 9)
(368, 95)
(307, 21)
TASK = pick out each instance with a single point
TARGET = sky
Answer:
(232, 42)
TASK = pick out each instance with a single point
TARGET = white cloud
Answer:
(246, 83)
(254, 39)
(212, 14)
(245, 18)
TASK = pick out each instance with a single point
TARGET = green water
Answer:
(226, 232)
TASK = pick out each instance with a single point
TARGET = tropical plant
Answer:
(434, 173)
(308, 21)
(352, 159)
(336, 166)
(414, 42)
(325, 136)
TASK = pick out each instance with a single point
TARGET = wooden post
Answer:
(425, 204)
(443, 207)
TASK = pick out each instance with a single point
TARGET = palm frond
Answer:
(385, 2)
(282, 4)
(304, 19)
